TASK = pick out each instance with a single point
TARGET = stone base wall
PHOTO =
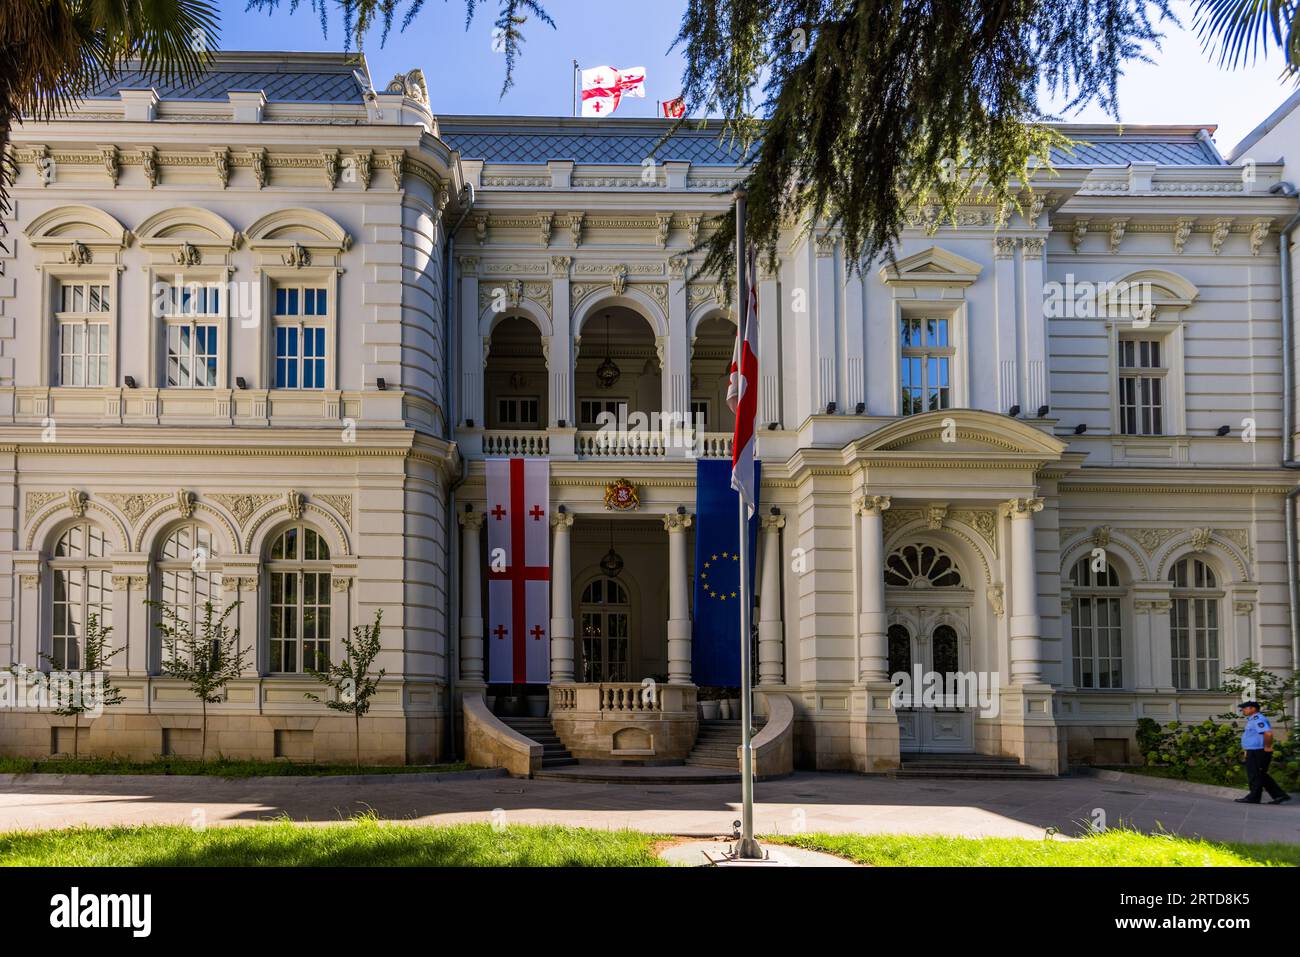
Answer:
(325, 739)
(627, 739)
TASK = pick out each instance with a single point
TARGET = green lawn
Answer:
(358, 843)
(218, 767)
(366, 841)
(1115, 848)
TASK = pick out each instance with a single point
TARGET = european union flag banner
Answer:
(715, 644)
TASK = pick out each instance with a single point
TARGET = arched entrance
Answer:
(606, 629)
(929, 642)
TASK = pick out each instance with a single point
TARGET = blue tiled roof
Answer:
(288, 84)
(1122, 152)
(588, 146)
(573, 140)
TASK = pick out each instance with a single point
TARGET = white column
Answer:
(1025, 630)
(561, 599)
(1034, 373)
(771, 649)
(1005, 339)
(679, 609)
(769, 344)
(471, 345)
(873, 646)
(471, 598)
(559, 359)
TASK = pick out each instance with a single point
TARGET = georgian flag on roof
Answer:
(742, 392)
(603, 87)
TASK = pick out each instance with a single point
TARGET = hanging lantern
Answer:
(608, 372)
(612, 563)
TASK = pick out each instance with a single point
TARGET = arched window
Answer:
(900, 650)
(606, 631)
(188, 579)
(921, 566)
(298, 570)
(82, 582)
(946, 655)
(1194, 624)
(1095, 625)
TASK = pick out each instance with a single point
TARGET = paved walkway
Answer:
(806, 801)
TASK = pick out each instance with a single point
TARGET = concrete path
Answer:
(806, 801)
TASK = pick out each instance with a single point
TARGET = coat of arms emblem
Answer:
(621, 495)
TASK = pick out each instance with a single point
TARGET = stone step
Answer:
(698, 762)
(974, 774)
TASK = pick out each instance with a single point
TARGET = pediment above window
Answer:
(297, 238)
(933, 266)
(188, 236)
(77, 235)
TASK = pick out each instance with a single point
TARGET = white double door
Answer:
(937, 642)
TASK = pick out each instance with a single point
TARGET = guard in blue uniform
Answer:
(1257, 742)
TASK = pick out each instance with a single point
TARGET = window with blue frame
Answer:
(300, 315)
(192, 313)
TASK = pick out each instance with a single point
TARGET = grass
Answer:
(218, 767)
(1113, 848)
(366, 841)
(361, 842)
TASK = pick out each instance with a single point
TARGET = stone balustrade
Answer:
(521, 442)
(625, 721)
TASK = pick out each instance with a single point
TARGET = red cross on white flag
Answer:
(603, 87)
(519, 571)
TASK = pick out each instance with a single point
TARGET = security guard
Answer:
(1257, 742)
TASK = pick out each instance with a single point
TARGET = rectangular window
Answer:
(1194, 634)
(191, 356)
(517, 411)
(191, 342)
(82, 320)
(1142, 376)
(1098, 658)
(300, 621)
(700, 413)
(300, 347)
(925, 364)
(590, 410)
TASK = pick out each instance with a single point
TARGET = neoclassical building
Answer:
(259, 335)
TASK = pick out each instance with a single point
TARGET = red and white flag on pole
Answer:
(603, 87)
(519, 571)
(742, 394)
(674, 109)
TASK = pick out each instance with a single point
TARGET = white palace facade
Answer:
(973, 461)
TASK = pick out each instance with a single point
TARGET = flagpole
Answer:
(747, 848)
(575, 87)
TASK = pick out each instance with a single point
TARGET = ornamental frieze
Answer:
(133, 504)
(38, 500)
(241, 505)
(340, 503)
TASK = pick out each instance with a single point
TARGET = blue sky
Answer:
(464, 73)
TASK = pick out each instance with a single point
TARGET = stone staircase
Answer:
(966, 766)
(716, 744)
(554, 753)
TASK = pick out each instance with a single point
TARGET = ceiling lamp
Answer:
(607, 372)
(612, 563)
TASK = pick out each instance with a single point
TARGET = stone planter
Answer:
(724, 709)
(709, 710)
(512, 706)
(537, 705)
(734, 705)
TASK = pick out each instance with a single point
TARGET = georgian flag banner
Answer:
(519, 571)
(742, 395)
(603, 87)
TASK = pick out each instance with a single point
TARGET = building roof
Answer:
(630, 141)
(282, 77)
(1266, 127)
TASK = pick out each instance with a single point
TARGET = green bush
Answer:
(1212, 751)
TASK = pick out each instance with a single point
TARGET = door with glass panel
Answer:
(936, 721)
(606, 631)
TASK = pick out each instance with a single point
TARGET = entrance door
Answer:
(934, 721)
(606, 631)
